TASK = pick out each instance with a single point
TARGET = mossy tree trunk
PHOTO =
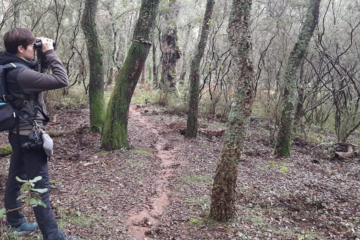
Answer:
(96, 82)
(170, 46)
(192, 120)
(223, 194)
(114, 134)
(283, 144)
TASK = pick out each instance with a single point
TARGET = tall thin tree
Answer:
(114, 134)
(96, 82)
(192, 120)
(184, 56)
(283, 143)
(169, 45)
(223, 194)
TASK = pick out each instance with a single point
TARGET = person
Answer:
(28, 84)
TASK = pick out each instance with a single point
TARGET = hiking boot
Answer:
(25, 228)
(63, 237)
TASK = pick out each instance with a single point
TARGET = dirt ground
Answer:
(161, 188)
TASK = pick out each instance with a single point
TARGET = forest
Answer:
(200, 119)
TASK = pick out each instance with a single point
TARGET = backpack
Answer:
(8, 115)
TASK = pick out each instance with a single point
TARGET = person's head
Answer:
(20, 41)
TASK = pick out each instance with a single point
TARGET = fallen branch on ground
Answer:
(206, 132)
(64, 133)
(350, 153)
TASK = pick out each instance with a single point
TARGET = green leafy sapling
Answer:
(30, 194)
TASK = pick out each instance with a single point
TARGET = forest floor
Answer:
(161, 188)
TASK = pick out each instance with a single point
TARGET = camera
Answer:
(35, 141)
(38, 44)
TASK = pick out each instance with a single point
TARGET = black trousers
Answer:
(28, 165)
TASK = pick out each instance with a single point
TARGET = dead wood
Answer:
(64, 133)
(210, 133)
(350, 153)
(206, 132)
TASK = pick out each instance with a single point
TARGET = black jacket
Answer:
(29, 82)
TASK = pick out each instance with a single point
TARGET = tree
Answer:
(223, 194)
(114, 134)
(184, 57)
(192, 121)
(96, 82)
(283, 143)
(155, 72)
(170, 46)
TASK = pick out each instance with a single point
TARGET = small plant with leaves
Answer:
(30, 194)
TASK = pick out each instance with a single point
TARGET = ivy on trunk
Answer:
(283, 143)
(223, 194)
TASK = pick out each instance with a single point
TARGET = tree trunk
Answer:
(149, 74)
(17, 14)
(155, 77)
(283, 143)
(143, 75)
(111, 76)
(299, 113)
(192, 120)
(169, 46)
(223, 194)
(96, 82)
(114, 134)
(184, 56)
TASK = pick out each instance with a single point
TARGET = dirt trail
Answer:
(138, 224)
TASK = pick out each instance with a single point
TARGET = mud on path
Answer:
(166, 153)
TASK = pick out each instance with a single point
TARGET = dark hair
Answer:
(16, 37)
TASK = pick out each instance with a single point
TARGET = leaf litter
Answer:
(160, 189)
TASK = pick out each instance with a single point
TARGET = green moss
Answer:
(196, 178)
(196, 222)
(5, 150)
(284, 169)
(97, 110)
(93, 191)
(103, 153)
(83, 220)
(199, 201)
(283, 148)
(115, 126)
(116, 136)
(281, 166)
(292, 69)
(143, 152)
(132, 164)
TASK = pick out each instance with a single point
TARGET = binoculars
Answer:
(38, 44)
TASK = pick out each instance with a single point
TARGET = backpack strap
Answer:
(10, 96)
(38, 109)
